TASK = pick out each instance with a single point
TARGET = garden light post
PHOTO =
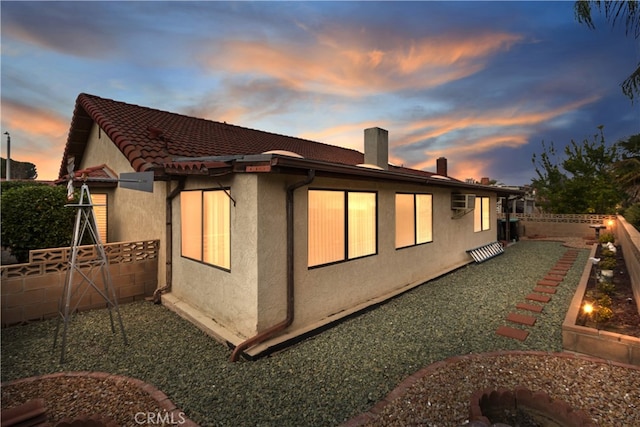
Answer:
(8, 156)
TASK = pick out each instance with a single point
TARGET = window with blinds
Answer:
(414, 219)
(205, 219)
(341, 225)
(482, 214)
(100, 210)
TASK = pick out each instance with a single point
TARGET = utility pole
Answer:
(8, 156)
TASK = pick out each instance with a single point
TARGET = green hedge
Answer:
(34, 216)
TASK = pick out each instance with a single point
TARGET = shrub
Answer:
(607, 263)
(606, 237)
(632, 215)
(607, 253)
(34, 217)
(604, 301)
(604, 314)
(607, 288)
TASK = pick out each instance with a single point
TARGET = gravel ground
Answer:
(327, 379)
(609, 394)
(77, 396)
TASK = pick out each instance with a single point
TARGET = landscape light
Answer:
(588, 308)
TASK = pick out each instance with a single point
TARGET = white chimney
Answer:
(376, 147)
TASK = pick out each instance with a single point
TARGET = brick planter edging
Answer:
(592, 341)
(486, 404)
(156, 394)
(407, 383)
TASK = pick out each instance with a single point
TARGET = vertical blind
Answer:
(326, 227)
(362, 224)
(405, 220)
(481, 214)
(100, 211)
(191, 223)
(486, 214)
(414, 220)
(424, 218)
(216, 227)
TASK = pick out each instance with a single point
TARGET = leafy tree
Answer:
(615, 12)
(34, 217)
(632, 215)
(581, 183)
(19, 170)
(627, 169)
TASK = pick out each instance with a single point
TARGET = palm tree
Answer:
(614, 12)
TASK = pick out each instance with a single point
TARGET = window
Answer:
(413, 219)
(205, 227)
(100, 210)
(481, 214)
(342, 225)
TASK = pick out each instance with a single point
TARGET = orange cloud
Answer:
(435, 127)
(38, 136)
(32, 120)
(349, 135)
(465, 169)
(356, 63)
(468, 149)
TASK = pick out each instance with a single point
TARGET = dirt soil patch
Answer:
(625, 319)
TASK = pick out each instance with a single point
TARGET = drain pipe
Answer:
(267, 333)
(169, 240)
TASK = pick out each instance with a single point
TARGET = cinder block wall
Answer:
(32, 291)
(629, 238)
(551, 225)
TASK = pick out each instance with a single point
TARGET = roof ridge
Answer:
(93, 97)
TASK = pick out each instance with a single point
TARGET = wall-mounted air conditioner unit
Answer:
(463, 201)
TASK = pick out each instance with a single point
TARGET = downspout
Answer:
(169, 239)
(267, 333)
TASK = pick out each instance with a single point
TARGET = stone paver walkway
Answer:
(542, 293)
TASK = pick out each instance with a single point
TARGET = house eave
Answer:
(275, 163)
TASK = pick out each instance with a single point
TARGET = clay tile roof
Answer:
(151, 138)
(100, 172)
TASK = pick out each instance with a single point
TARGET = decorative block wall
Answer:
(629, 238)
(570, 225)
(32, 291)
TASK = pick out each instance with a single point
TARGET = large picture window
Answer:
(414, 220)
(342, 225)
(205, 226)
(481, 214)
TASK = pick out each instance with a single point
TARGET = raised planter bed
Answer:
(591, 341)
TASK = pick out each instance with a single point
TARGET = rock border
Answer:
(401, 389)
(156, 394)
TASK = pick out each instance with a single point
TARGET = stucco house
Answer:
(267, 237)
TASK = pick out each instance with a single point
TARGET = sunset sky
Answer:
(481, 83)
